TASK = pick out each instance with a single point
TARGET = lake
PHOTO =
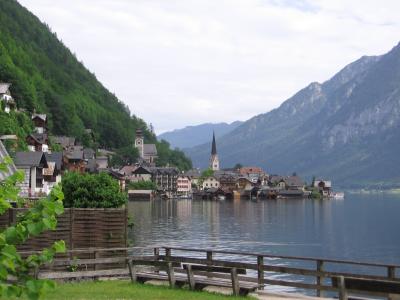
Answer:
(360, 227)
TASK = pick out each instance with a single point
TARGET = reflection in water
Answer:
(360, 227)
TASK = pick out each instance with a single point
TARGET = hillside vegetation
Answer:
(48, 78)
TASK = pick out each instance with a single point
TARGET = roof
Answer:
(4, 87)
(40, 138)
(11, 169)
(127, 170)
(140, 191)
(88, 153)
(55, 157)
(213, 146)
(164, 171)
(105, 152)
(149, 150)
(74, 154)
(248, 170)
(64, 141)
(141, 170)
(39, 116)
(30, 159)
(294, 181)
(194, 173)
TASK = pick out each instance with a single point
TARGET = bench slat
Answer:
(367, 285)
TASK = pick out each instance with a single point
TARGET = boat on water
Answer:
(338, 195)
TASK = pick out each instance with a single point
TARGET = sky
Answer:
(185, 62)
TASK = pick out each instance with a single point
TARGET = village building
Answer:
(244, 183)
(210, 182)
(40, 122)
(255, 174)
(184, 185)
(38, 142)
(147, 152)
(165, 179)
(102, 163)
(32, 165)
(324, 187)
(52, 174)
(194, 176)
(227, 180)
(64, 141)
(7, 102)
(214, 160)
(140, 174)
(74, 160)
(294, 183)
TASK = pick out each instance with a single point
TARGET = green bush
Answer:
(92, 190)
(142, 185)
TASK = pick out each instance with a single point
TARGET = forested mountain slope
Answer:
(48, 78)
(346, 129)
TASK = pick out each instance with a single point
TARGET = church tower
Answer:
(139, 141)
(214, 161)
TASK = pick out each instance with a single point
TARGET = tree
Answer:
(125, 156)
(92, 190)
(38, 219)
(142, 185)
(238, 166)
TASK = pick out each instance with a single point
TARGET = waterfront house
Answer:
(244, 183)
(147, 152)
(32, 165)
(294, 183)
(324, 187)
(194, 176)
(165, 179)
(140, 173)
(227, 180)
(38, 142)
(7, 102)
(184, 185)
(210, 182)
(255, 174)
(40, 122)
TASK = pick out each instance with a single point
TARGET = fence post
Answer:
(320, 279)
(209, 257)
(260, 271)
(96, 256)
(156, 253)
(391, 273)
(167, 254)
(342, 288)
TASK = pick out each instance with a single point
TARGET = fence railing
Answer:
(319, 271)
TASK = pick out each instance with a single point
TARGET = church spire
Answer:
(214, 146)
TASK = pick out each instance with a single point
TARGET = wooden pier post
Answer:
(320, 279)
(260, 271)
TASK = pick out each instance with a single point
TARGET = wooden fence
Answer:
(79, 228)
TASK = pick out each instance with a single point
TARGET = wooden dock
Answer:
(230, 268)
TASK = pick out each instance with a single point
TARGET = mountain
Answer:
(48, 78)
(346, 129)
(191, 136)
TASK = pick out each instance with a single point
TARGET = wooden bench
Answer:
(365, 286)
(199, 276)
(160, 265)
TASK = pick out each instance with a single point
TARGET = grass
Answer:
(124, 290)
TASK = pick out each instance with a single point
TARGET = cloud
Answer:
(183, 62)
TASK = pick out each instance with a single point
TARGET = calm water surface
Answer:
(361, 227)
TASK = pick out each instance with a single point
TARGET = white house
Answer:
(210, 182)
(32, 164)
(6, 100)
